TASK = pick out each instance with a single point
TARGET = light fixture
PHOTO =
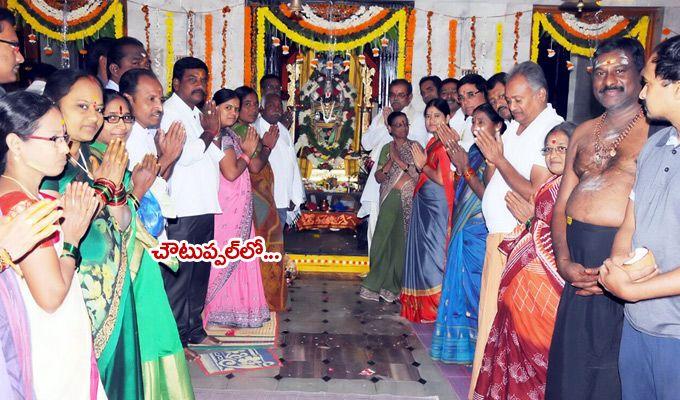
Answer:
(579, 6)
(295, 6)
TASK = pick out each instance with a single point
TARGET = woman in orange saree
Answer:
(515, 361)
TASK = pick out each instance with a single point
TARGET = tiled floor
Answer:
(329, 336)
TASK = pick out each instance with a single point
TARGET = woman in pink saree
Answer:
(235, 293)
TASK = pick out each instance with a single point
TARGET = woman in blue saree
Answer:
(455, 331)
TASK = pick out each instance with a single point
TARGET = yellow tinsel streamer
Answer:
(639, 32)
(265, 15)
(499, 48)
(115, 12)
(170, 55)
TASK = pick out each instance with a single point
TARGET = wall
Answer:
(489, 13)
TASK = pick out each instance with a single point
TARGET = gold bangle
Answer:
(6, 259)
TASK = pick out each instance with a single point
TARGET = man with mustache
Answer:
(449, 92)
(471, 94)
(271, 83)
(429, 87)
(289, 193)
(10, 53)
(598, 177)
(145, 93)
(194, 183)
(124, 54)
(495, 95)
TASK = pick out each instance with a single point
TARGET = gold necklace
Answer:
(600, 151)
(23, 188)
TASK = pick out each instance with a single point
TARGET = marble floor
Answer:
(329, 335)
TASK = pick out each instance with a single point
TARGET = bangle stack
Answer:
(245, 158)
(107, 190)
(72, 251)
(135, 201)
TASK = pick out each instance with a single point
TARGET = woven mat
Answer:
(265, 336)
(224, 362)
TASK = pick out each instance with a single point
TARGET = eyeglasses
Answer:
(468, 95)
(65, 138)
(113, 119)
(15, 45)
(397, 95)
(559, 150)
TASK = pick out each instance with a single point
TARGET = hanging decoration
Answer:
(453, 30)
(190, 32)
(473, 44)
(147, 28)
(170, 56)
(84, 19)
(208, 21)
(581, 37)
(225, 11)
(515, 45)
(350, 19)
(499, 48)
(410, 34)
(429, 42)
(65, 55)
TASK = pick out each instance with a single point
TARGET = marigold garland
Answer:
(147, 28)
(616, 29)
(453, 31)
(515, 45)
(115, 12)
(209, 48)
(336, 32)
(499, 47)
(170, 56)
(410, 34)
(247, 46)
(473, 43)
(429, 42)
(190, 33)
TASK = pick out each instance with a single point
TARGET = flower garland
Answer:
(401, 56)
(575, 44)
(247, 46)
(147, 28)
(499, 48)
(600, 31)
(265, 15)
(515, 45)
(170, 56)
(209, 48)
(190, 32)
(225, 25)
(429, 42)
(114, 11)
(473, 43)
(362, 19)
(453, 31)
(410, 34)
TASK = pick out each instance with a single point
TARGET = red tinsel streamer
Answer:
(429, 42)
(147, 28)
(190, 23)
(518, 15)
(225, 11)
(473, 43)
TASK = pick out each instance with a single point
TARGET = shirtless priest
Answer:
(598, 177)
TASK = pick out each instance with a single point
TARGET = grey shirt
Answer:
(656, 196)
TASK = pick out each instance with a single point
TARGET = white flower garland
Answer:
(361, 16)
(57, 13)
(587, 29)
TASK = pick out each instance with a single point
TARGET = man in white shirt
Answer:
(289, 192)
(145, 93)
(124, 54)
(376, 136)
(449, 92)
(194, 183)
(95, 59)
(471, 94)
(496, 95)
(517, 165)
(429, 88)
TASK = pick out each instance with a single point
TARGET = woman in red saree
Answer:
(515, 359)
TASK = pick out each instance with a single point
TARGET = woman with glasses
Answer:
(105, 272)
(60, 362)
(455, 331)
(430, 224)
(515, 360)
(397, 176)
(164, 367)
(235, 293)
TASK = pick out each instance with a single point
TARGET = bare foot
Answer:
(190, 355)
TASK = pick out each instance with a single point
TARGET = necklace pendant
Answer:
(597, 158)
(612, 153)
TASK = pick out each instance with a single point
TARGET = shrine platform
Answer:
(322, 250)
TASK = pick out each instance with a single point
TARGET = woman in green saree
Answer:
(397, 177)
(110, 250)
